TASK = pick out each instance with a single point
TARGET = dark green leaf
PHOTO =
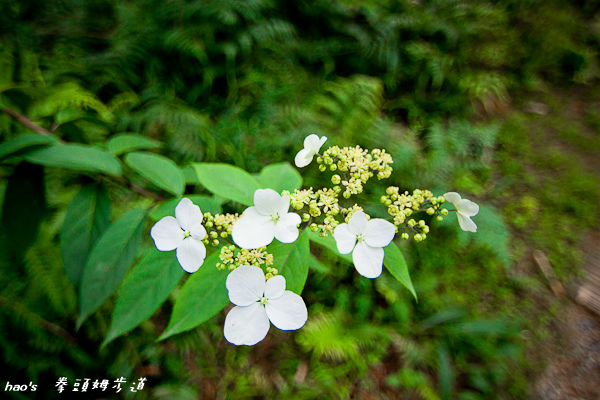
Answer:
(395, 263)
(109, 261)
(292, 261)
(25, 142)
(329, 243)
(206, 204)
(78, 157)
(446, 377)
(24, 206)
(143, 291)
(160, 170)
(87, 218)
(125, 143)
(202, 296)
(227, 181)
(280, 177)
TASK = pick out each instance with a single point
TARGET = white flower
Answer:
(258, 302)
(312, 145)
(268, 219)
(184, 233)
(371, 236)
(465, 209)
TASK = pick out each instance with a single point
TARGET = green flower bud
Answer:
(404, 236)
(332, 167)
(314, 227)
(421, 223)
(440, 218)
(418, 237)
(430, 211)
(215, 242)
(444, 211)
(347, 195)
(336, 179)
(412, 222)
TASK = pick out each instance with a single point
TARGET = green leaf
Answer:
(143, 291)
(24, 142)
(280, 177)
(160, 170)
(78, 157)
(202, 296)
(292, 261)
(228, 181)
(445, 374)
(206, 204)
(88, 216)
(329, 243)
(316, 265)
(24, 207)
(109, 261)
(395, 263)
(125, 143)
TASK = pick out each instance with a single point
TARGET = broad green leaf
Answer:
(202, 296)
(329, 243)
(160, 170)
(24, 206)
(78, 157)
(227, 181)
(126, 142)
(109, 261)
(292, 261)
(316, 265)
(24, 142)
(143, 291)
(280, 177)
(206, 204)
(395, 263)
(88, 216)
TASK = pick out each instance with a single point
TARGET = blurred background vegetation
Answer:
(497, 100)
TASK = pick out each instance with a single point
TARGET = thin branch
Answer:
(26, 121)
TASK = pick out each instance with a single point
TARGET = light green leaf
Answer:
(292, 261)
(395, 263)
(280, 177)
(124, 143)
(76, 156)
(160, 170)
(206, 204)
(143, 291)
(202, 296)
(109, 261)
(27, 141)
(227, 181)
(88, 216)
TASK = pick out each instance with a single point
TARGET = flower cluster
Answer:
(231, 259)
(356, 165)
(261, 299)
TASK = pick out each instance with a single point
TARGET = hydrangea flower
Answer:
(312, 145)
(258, 302)
(465, 209)
(267, 219)
(365, 239)
(184, 233)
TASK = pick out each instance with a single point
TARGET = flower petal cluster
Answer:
(465, 209)
(184, 233)
(258, 302)
(365, 240)
(266, 220)
(312, 145)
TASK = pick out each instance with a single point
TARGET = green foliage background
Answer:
(441, 85)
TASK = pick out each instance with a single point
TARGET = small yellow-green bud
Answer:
(430, 211)
(305, 217)
(322, 168)
(404, 236)
(215, 242)
(214, 235)
(223, 235)
(383, 199)
(347, 195)
(418, 237)
(412, 222)
(314, 227)
(332, 167)
(444, 211)
(421, 223)
(336, 179)
(440, 218)
(209, 224)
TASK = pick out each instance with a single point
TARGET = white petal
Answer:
(452, 197)
(379, 232)
(303, 158)
(275, 287)
(167, 234)
(465, 222)
(246, 285)
(312, 142)
(188, 214)
(284, 205)
(287, 312)
(358, 223)
(246, 325)
(286, 230)
(191, 254)
(267, 201)
(198, 232)
(344, 240)
(321, 142)
(253, 230)
(467, 207)
(368, 260)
